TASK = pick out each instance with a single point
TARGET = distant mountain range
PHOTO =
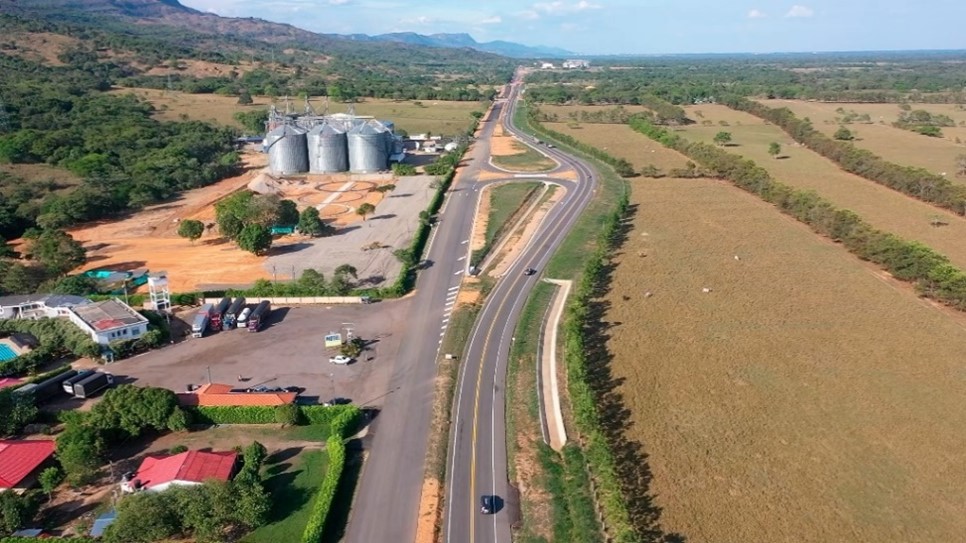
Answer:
(505, 48)
(173, 13)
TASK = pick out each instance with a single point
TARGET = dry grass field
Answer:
(622, 142)
(894, 144)
(805, 398)
(882, 207)
(437, 117)
(563, 112)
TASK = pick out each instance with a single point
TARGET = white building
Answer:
(108, 321)
(546, 66)
(39, 306)
(572, 64)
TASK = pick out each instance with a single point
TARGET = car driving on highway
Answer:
(486, 504)
(340, 359)
(529, 271)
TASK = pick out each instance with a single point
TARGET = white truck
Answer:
(202, 317)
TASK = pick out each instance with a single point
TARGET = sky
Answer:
(635, 26)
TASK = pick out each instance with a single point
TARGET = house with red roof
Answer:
(21, 460)
(188, 468)
(219, 394)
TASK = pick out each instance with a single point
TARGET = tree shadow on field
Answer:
(633, 470)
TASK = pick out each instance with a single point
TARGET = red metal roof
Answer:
(219, 394)
(18, 458)
(9, 382)
(190, 466)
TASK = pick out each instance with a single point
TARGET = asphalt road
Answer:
(386, 506)
(478, 461)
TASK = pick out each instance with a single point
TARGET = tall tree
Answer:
(843, 134)
(310, 224)
(245, 98)
(365, 209)
(16, 410)
(287, 214)
(255, 239)
(57, 251)
(774, 149)
(191, 229)
(722, 138)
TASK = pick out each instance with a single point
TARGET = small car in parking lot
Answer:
(340, 359)
(337, 401)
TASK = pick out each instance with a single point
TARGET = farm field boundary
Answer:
(911, 181)
(619, 485)
(930, 272)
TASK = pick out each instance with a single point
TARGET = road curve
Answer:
(386, 505)
(477, 462)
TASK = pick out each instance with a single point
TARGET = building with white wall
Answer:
(110, 320)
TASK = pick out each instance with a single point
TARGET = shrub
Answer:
(287, 414)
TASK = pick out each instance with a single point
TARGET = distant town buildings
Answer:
(573, 64)
(547, 66)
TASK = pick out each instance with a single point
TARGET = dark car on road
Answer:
(529, 271)
(486, 505)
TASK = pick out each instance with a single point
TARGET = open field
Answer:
(893, 144)
(882, 207)
(435, 116)
(805, 398)
(522, 159)
(621, 141)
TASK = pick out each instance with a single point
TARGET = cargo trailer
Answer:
(219, 313)
(236, 307)
(51, 387)
(68, 384)
(202, 317)
(243, 318)
(93, 384)
(259, 315)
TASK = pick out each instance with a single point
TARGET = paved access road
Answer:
(477, 461)
(386, 506)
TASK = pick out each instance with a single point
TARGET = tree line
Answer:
(931, 272)
(620, 165)
(912, 181)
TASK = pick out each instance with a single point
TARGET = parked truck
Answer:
(219, 313)
(93, 384)
(243, 317)
(257, 319)
(231, 315)
(68, 384)
(48, 388)
(202, 317)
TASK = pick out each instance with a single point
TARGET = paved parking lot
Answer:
(289, 351)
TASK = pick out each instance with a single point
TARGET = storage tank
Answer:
(328, 149)
(287, 150)
(368, 148)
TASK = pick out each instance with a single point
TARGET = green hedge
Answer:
(931, 272)
(340, 425)
(310, 415)
(58, 540)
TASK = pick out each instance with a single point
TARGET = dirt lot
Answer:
(806, 397)
(894, 144)
(290, 351)
(435, 116)
(882, 207)
(149, 238)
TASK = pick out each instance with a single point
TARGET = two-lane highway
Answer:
(386, 506)
(478, 461)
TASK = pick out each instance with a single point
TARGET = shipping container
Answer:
(68, 384)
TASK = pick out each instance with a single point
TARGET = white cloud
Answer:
(756, 14)
(559, 7)
(338, 2)
(421, 20)
(800, 11)
(529, 15)
(496, 19)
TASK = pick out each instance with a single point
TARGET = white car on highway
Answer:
(340, 359)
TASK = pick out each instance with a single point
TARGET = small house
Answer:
(157, 474)
(211, 394)
(21, 461)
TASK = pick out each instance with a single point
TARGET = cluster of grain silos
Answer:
(330, 144)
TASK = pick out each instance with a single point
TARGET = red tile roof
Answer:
(219, 394)
(190, 466)
(18, 458)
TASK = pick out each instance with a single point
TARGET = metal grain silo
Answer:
(368, 148)
(328, 149)
(287, 150)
